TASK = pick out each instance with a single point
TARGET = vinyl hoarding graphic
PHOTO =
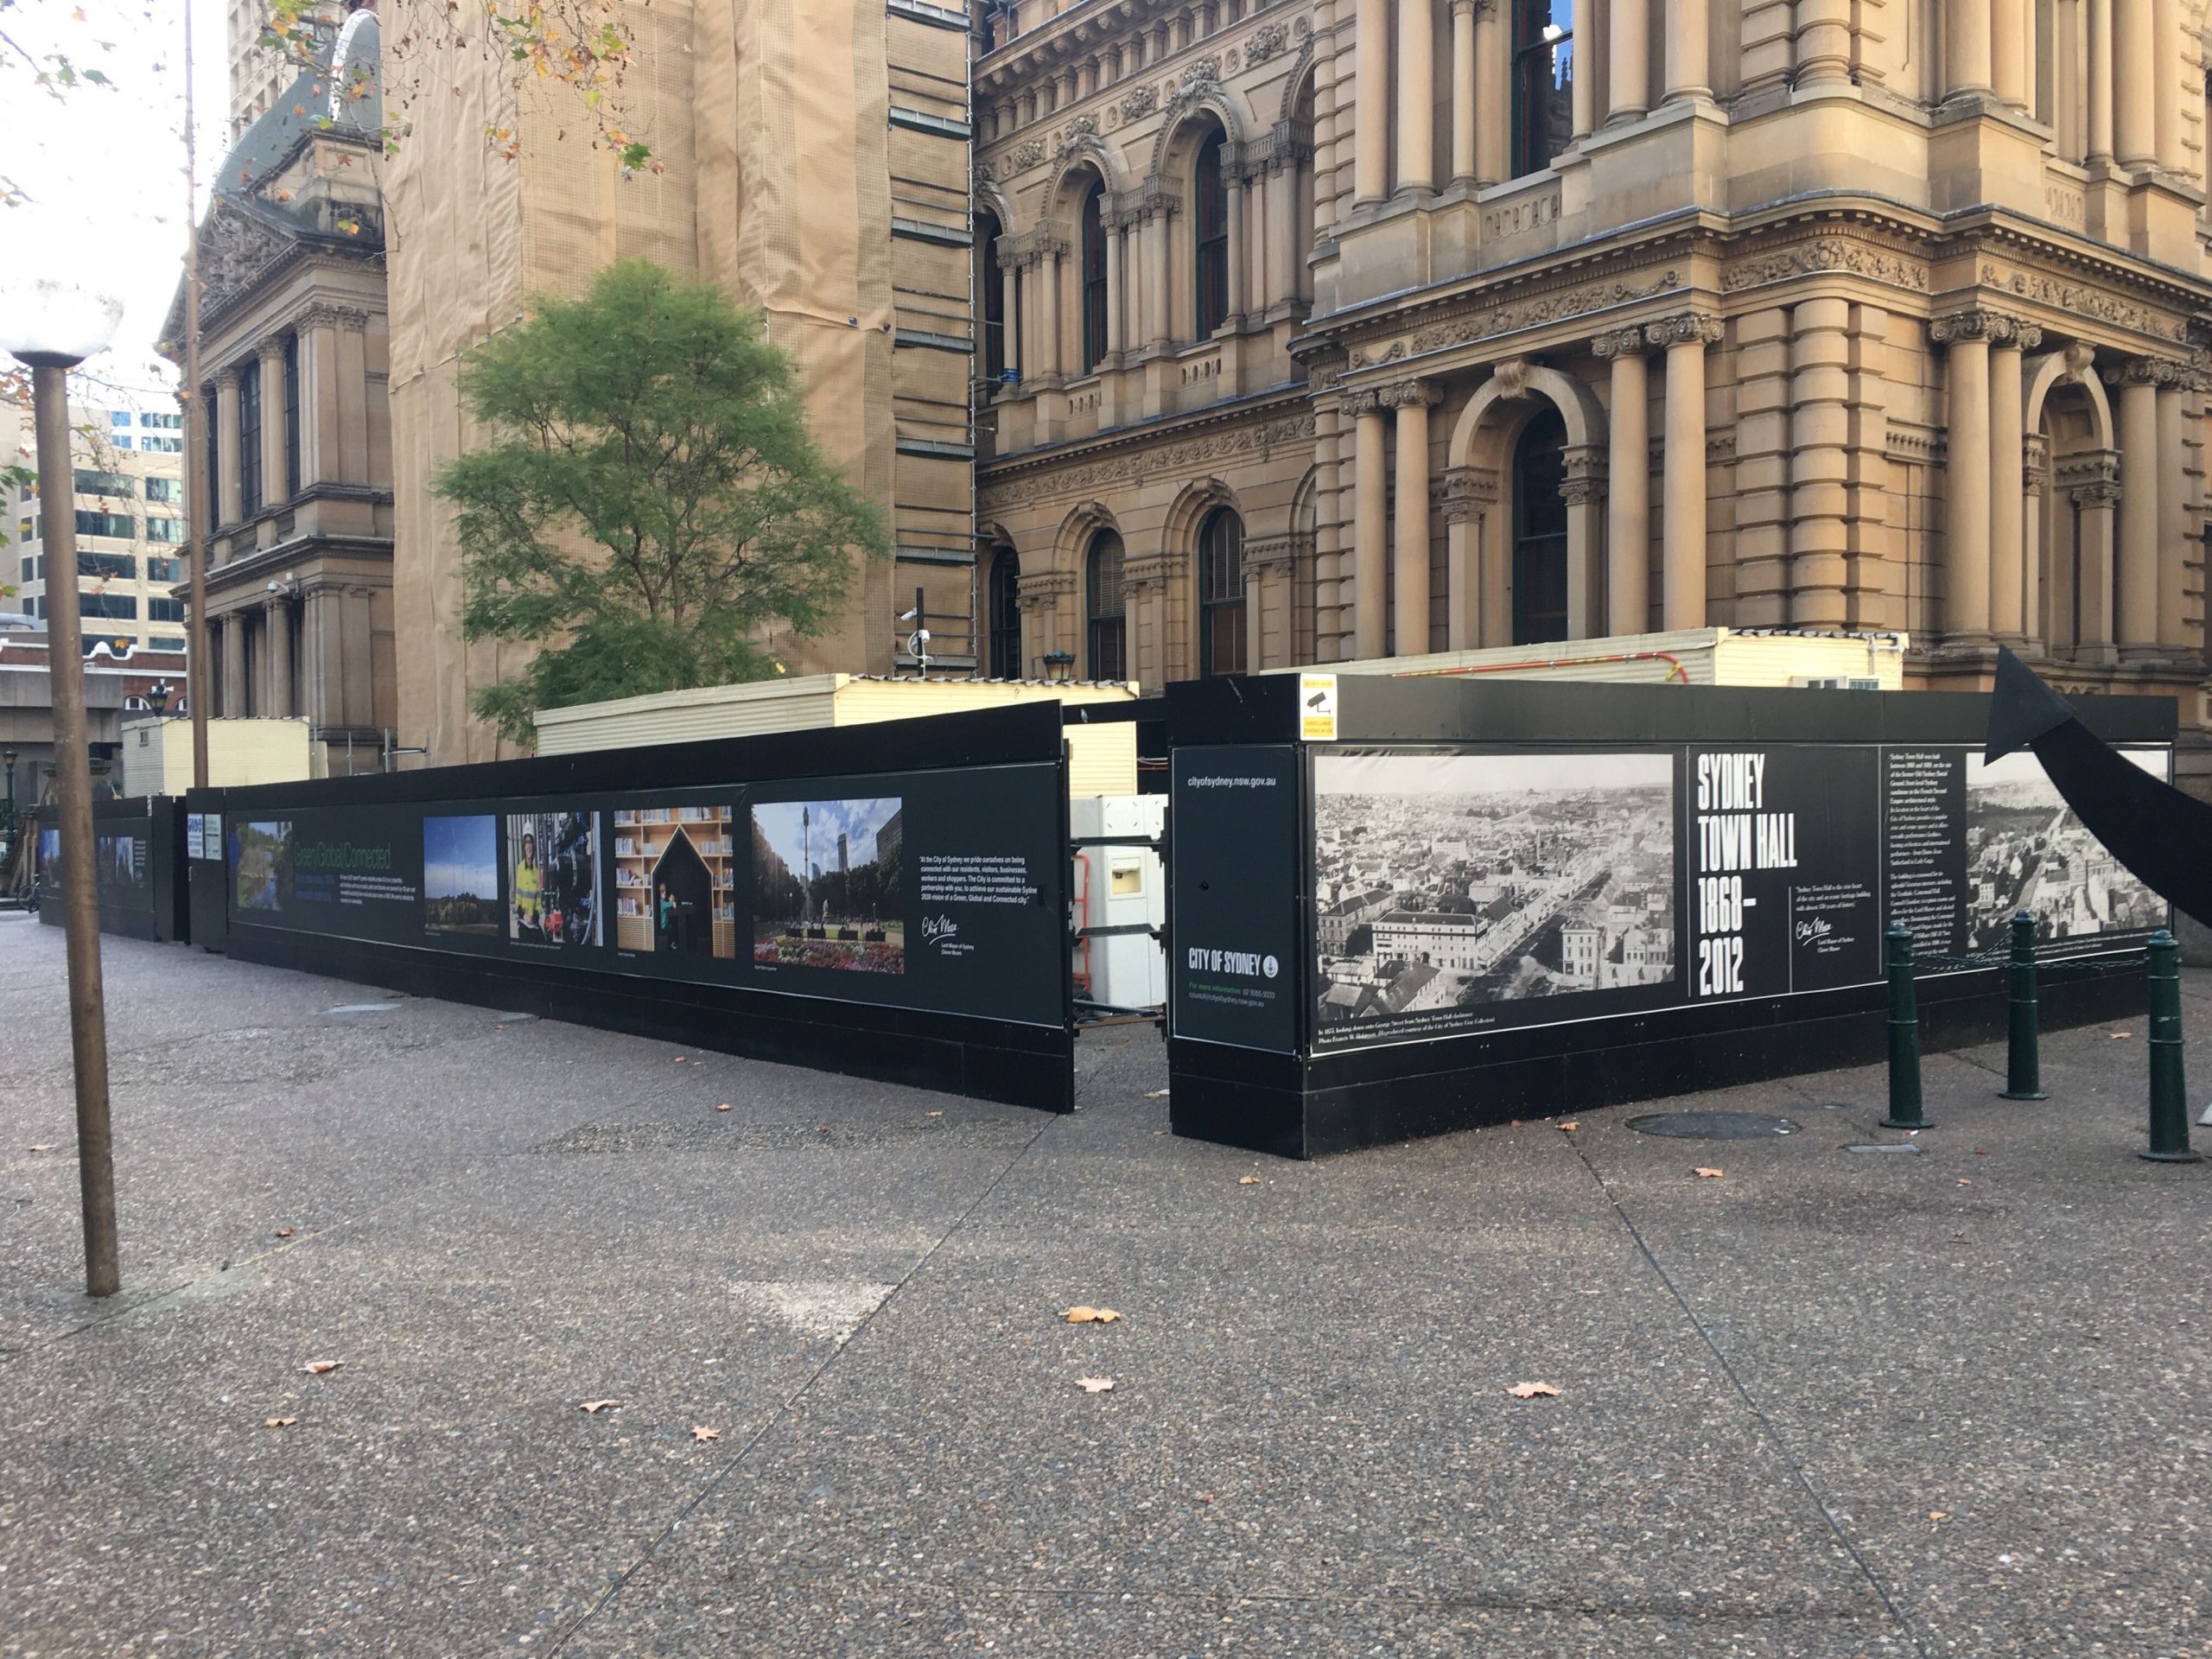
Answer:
(1459, 891)
(940, 891)
(1234, 820)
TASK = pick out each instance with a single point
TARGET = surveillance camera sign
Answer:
(1317, 707)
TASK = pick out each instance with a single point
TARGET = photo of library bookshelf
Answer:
(672, 892)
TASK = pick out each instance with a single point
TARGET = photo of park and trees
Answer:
(826, 888)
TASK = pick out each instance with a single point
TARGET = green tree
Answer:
(651, 418)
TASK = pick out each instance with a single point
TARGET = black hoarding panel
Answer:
(1786, 870)
(1464, 892)
(1236, 867)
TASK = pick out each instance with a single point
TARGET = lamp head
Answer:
(49, 322)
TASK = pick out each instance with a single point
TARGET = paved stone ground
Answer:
(1831, 1404)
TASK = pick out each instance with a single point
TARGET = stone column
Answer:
(2009, 27)
(1157, 312)
(275, 480)
(314, 691)
(1628, 516)
(2100, 505)
(2138, 505)
(1240, 249)
(1049, 360)
(1413, 399)
(1586, 83)
(1968, 47)
(1966, 486)
(2097, 82)
(1416, 96)
(1372, 94)
(2008, 610)
(1824, 47)
(1493, 95)
(2134, 71)
(319, 416)
(1463, 92)
(2166, 45)
(1115, 290)
(1010, 313)
(277, 629)
(1370, 527)
(1689, 72)
(1583, 489)
(226, 446)
(1629, 23)
(1682, 527)
(1466, 498)
(237, 698)
(1283, 223)
(2173, 513)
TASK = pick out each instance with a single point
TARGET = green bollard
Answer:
(2169, 1090)
(2023, 1070)
(1905, 1111)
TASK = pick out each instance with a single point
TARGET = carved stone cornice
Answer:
(1409, 394)
(1044, 591)
(2079, 471)
(1685, 329)
(1151, 573)
(1585, 475)
(1980, 322)
(1276, 552)
(1463, 494)
(2148, 371)
(1619, 342)
(1153, 198)
(1486, 322)
(1582, 492)
(2094, 496)
(1365, 400)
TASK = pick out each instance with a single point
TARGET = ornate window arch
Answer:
(1222, 647)
(1091, 274)
(1540, 530)
(1002, 611)
(1105, 611)
(1547, 57)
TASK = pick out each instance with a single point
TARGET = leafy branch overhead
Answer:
(581, 46)
(654, 505)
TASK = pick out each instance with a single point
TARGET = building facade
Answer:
(814, 162)
(130, 529)
(297, 477)
(1329, 330)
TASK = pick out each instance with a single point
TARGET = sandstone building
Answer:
(816, 165)
(298, 480)
(1332, 329)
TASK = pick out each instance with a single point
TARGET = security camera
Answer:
(276, 587)
(908, 616)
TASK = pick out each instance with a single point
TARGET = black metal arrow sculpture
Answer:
(2161, 835)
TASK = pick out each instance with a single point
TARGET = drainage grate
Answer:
(1713, 1126)
(361, 1008)
(1909, 1148)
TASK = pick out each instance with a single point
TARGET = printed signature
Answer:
(939, 927)
(1817, 928)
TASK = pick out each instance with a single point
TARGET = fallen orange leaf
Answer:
(48, 1146)
(594, 1407)
(284, 1232)
(723, 1107)
(1569, 1129)
(1248, 1180)
(1095, 1384)
(701, 1433)
(1706, 1172)
(1090, 1316)
(322, 1367)
(278, 1422)
(1533, 1391)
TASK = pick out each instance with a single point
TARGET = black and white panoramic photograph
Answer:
(2026, 850)
(1454, 882)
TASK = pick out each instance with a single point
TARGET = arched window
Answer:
(1221, 594)
(993, 308)
(1002, 603)
(1210, 224)
(1094, 275)
(1540, 531)
(1104, 609)
(1544, 82)
(249, 438)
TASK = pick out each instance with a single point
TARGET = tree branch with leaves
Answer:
(654, 422)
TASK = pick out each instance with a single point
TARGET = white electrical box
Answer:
(1120, 886)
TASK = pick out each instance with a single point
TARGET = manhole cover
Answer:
(1713, 1126)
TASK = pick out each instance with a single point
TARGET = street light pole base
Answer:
(1899, 1123)
(2172, 1157)
(2023, 1094)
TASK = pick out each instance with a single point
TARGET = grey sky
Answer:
(104, 168)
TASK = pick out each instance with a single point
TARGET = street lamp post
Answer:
(51, 327)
